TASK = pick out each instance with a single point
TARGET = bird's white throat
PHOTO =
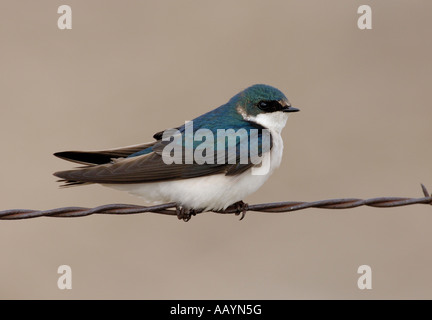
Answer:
(274, 121)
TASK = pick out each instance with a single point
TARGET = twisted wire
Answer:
(167, 209)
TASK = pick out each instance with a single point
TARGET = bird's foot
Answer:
(241, 209)
(185, 214)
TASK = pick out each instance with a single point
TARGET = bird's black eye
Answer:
(269, 106)
(262, 105)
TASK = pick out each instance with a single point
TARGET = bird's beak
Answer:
(290, 109)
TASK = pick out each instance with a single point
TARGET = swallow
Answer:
(149, 171)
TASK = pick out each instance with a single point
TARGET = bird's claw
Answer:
(185, 214)
(241, 209)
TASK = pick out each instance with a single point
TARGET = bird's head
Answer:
(264, 105)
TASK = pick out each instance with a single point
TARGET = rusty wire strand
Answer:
(289, 206)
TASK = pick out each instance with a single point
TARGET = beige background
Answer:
(130, 68)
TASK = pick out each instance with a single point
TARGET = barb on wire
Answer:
(172, 209)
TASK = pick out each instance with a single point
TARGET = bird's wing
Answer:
(145, 168)
(150, 167)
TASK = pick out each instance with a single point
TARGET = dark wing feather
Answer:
(101, 156)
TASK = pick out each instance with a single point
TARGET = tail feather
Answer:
(69, 183)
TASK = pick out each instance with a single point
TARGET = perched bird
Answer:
(142, 169)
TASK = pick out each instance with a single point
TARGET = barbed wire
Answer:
(242, 208)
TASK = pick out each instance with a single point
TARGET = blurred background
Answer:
(128, 69)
